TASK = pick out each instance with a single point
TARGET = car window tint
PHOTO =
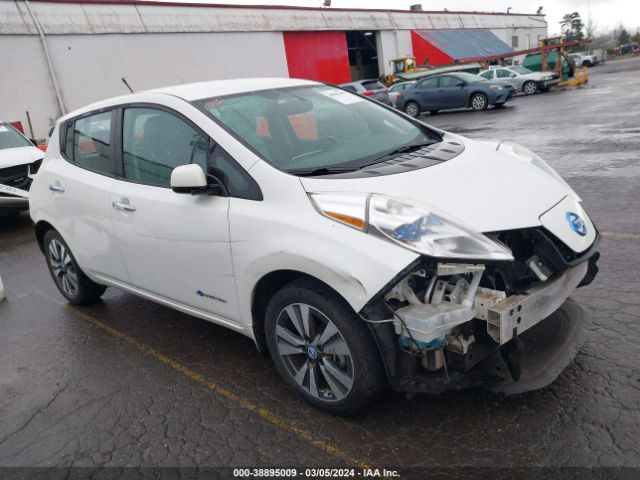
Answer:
(237, 180)
(428, 83)
(488, 75)
(449, 81)
(154, 142)
(91, 143)
(503, 73)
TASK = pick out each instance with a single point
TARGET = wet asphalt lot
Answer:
(126, 382)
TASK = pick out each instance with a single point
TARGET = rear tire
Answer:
(412, 109)
(74, 285)
(479, 102)
(322, 349)
(529, 88)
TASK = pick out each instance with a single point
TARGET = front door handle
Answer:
(56, 188)
(123, 206)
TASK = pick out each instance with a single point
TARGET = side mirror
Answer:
(34, 141)
(512, 75)
(460, 84)
(192, 180)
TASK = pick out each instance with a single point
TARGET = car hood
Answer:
(10, 157)
(485, 189)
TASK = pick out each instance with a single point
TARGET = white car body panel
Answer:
(478, 184)
(174, 245)
(10, 157)
(555, 220)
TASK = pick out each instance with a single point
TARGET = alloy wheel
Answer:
(479, 102)
(530, 88)
(412, 109)
(314, 352)
(63, 267)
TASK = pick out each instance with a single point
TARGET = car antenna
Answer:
(124, 80)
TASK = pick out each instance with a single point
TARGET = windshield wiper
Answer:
(316, 172)
(408, 148)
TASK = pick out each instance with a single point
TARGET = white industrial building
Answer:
(56, 56)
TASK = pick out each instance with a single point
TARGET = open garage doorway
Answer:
(363, 54)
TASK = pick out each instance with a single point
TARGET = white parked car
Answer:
(584, 60)
(19, 162)
(522, 78)
(360, 247)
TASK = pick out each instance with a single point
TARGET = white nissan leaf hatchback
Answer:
(361, 248)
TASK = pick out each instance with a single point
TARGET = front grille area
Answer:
(16, 176)
(526, 244)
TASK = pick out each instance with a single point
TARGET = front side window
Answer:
(298, 129)
(88, 143)
(488, 74)
(503, 73)
(154, 142)
(11, 138)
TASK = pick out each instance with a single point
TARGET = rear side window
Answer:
(428, 83)
(449, 81)
(88, 143)
(503, 73)
(154, 142)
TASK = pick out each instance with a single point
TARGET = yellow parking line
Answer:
(263, 413)
(625, 236)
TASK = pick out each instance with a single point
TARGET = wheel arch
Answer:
(266, 287)
(41, 228)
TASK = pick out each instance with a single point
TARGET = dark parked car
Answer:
(369, 88)
(451, 90)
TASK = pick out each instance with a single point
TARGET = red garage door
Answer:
(318, 56)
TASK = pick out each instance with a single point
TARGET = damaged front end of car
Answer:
(503, 325)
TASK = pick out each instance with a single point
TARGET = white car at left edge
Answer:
(20, 160)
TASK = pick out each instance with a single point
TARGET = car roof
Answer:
(196, 91)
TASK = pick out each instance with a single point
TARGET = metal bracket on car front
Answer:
(517, 313)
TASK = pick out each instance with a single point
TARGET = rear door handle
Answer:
(56, 188)
(123, 206)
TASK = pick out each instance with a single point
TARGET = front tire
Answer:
(479, 102)
(529, 88)
(322, 349)
(412, 109)
(73, 284)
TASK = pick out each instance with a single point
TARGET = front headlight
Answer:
(519, 151)
(419, 228)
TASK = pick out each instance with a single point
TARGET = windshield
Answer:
(314, 127)
(11, 138)
(521, 70)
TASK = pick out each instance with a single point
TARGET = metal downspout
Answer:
(52, 74)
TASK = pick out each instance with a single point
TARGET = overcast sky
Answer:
(605, 13)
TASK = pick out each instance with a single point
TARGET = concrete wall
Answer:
(93, 45)
(25, 84)
(392, 44)
(89, 67)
